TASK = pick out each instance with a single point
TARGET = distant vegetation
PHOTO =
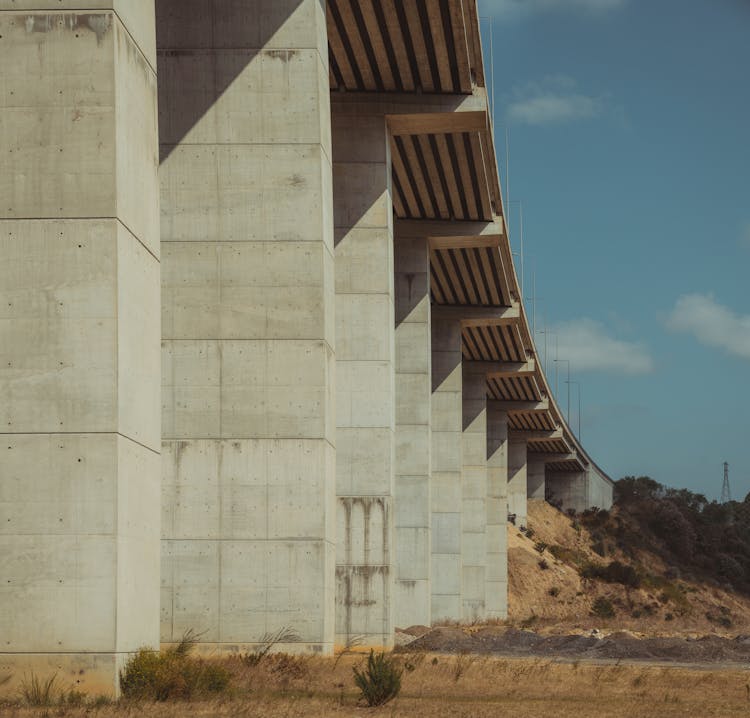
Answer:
(698, 538)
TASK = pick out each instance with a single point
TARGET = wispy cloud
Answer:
(711, 323)
(588, 346)
(555, 100)
(514, 9)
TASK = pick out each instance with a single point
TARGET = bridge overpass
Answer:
(264, 356)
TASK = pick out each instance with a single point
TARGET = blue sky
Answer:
(630, 152)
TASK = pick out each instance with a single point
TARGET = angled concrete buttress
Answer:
(248, 328)
(365, 383)
(79, 339)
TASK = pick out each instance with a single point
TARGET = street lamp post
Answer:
(546, 365)
(567, 361)
(578, 388)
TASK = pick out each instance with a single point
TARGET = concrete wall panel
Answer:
(79, 337)
(248, 322)
(365, 387)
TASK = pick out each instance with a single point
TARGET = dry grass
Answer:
(436, 685)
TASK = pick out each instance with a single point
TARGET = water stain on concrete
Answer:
(99, 24)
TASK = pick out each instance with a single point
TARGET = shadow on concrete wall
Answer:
(203, 46)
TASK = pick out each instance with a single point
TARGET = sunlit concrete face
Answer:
(474, 514)
(79, 339)
(497, 513)
(413, 534)
(517, 480)
(248, 322)
(365, 383)
(447, 465)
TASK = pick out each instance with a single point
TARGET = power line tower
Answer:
(726, 492)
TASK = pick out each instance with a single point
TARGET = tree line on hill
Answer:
(697, 537)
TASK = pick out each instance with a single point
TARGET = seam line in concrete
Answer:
(80, 433)
(135, 42)
(81, 219)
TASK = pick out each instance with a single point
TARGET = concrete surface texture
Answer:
(496, 571)
(535, 478)
(365, 379)
(517, 480)
(412, 602)
(248, 397)
(306, 262)
(447, 465)
(79, 339)
(474, 494)
(579, 490)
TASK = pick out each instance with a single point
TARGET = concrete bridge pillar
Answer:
(247, 320)
(517, 480)
(497, 513)
(365, 389)
(474, 494)
(447, 465)
(79, 340)
(535, 478)
(412, 599)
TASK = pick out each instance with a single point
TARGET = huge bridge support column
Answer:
(447, 464)
(535, 478)
(497, 512)
(517, 480)
(474, 493)
(248, 390)
(365, 390)
(412, 601)
(79, 340)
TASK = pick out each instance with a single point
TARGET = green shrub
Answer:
(614, 572)
(172, 674)
(540, 546)
(380, 681)
(554, 591)
(599, 547)
(723, 619)
(570, 556)
(603, 608)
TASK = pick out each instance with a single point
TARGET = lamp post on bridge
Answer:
(578, 387)
(554, 334)
(567, 361)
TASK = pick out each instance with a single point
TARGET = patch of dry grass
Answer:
(451, 686)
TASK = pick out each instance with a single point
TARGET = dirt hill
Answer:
(569, 574)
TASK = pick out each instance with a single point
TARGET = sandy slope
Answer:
(531, 603)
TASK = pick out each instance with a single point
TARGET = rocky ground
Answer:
(592, 645)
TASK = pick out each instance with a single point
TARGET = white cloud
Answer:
(711, 323)
(588, 347)
(553, 101)
(513, 9)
